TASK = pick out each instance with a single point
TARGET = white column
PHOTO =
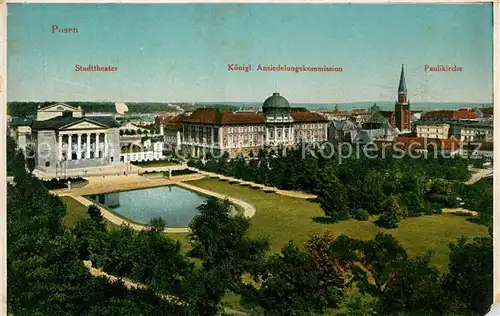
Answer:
(87, 152)
(105, 144)
(60, 147)
(79, 148)
(267, 135)
(69, 147)
(97, 145)
(275, 134)
(283, 134)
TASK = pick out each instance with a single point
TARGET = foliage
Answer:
(357, 304)
(398, 187)
(333, 268)
(10, 155)
(45, 275)
(360, 214)
(388, 219)
(219, 240)
(290, 285)
(380, 261)
(26, 109)
(55, 184)
(416, 290)
(469, 283)
(89, 231)
(30, 159)
(146, 256)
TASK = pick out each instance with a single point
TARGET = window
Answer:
(47, 164)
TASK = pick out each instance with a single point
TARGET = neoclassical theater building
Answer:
(212, 130)
(63, 137)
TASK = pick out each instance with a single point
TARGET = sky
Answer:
(181, 52)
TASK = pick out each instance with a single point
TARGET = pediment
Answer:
(58, 107)
(83, 125)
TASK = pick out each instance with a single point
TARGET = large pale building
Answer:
(62, 137)
(432, 129)
(211, 130)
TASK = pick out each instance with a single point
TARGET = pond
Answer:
(177, 206)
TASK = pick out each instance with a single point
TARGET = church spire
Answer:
(402, 81)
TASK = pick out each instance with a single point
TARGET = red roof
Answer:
(172, 121)
(308, 117)
(215, 116)
(242, 118)
(460, 114)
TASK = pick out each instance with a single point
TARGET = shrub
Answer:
(387, 220)
(182, 172)
(54, 184)
(360, 214)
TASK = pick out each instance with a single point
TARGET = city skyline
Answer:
(181, 52)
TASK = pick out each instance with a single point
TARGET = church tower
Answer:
(402, 107)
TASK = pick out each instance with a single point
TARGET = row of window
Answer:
(245, 129)
(250, 129)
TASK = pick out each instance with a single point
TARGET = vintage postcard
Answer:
(250, 159)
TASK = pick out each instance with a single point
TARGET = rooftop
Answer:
(61, 121)
(460, 114)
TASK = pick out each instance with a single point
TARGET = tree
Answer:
(30, 160)
(158, 224)
(46, 276)
(332, 268)
(469, 282)
(416, 290)
(290, 285)
(95, 214)
(334, 200)
(219, 240)
(10, 155)
(90, 232)
(381, 259)
(388, 219)
(146, 256)
(204, 290)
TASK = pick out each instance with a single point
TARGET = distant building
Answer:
(450, 115)
(426, 144)
(277, 125)
(473, 131)
(170, 128)
(61, 136)
(341, 130)
(432, 129)
(402, 106)
(464, 124)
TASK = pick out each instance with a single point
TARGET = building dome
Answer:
(276, 102)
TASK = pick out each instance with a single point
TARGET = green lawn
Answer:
(75, 212)
(285, 218)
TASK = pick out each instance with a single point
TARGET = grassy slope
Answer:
(283, 218)
(75, 212)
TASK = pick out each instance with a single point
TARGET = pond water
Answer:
(177, 206)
